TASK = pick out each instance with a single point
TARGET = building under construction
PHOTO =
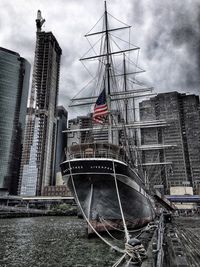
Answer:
(39, 143)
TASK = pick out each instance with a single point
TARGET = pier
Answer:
(183, 241)
(14, 206)
(175, 243)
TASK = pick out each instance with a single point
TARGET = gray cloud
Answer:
(168, 33)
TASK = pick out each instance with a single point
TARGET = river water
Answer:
(51, 241)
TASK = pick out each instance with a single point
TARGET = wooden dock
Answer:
(187, 232)
(175, 243)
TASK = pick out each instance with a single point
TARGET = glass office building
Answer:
(14, 86)
(61, 143)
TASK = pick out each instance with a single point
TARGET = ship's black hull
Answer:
(95, 187)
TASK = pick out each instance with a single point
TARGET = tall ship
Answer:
(103, 171)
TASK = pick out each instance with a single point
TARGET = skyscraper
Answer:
(182, 112)
(14, 87)
(39, 144)
(61, 142)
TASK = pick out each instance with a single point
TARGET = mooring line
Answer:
(78, 202)
(101, 219)
(135, 253)
(120, 205)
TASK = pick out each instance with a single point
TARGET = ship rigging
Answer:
(103, 174)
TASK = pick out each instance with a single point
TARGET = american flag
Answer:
(100, 108)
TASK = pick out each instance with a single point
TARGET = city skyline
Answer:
(168, 34)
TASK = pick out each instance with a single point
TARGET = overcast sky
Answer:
(168, 33)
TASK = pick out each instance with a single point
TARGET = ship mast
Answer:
(125, 89)
(107, 54)
(108, 75)
(107, 51)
